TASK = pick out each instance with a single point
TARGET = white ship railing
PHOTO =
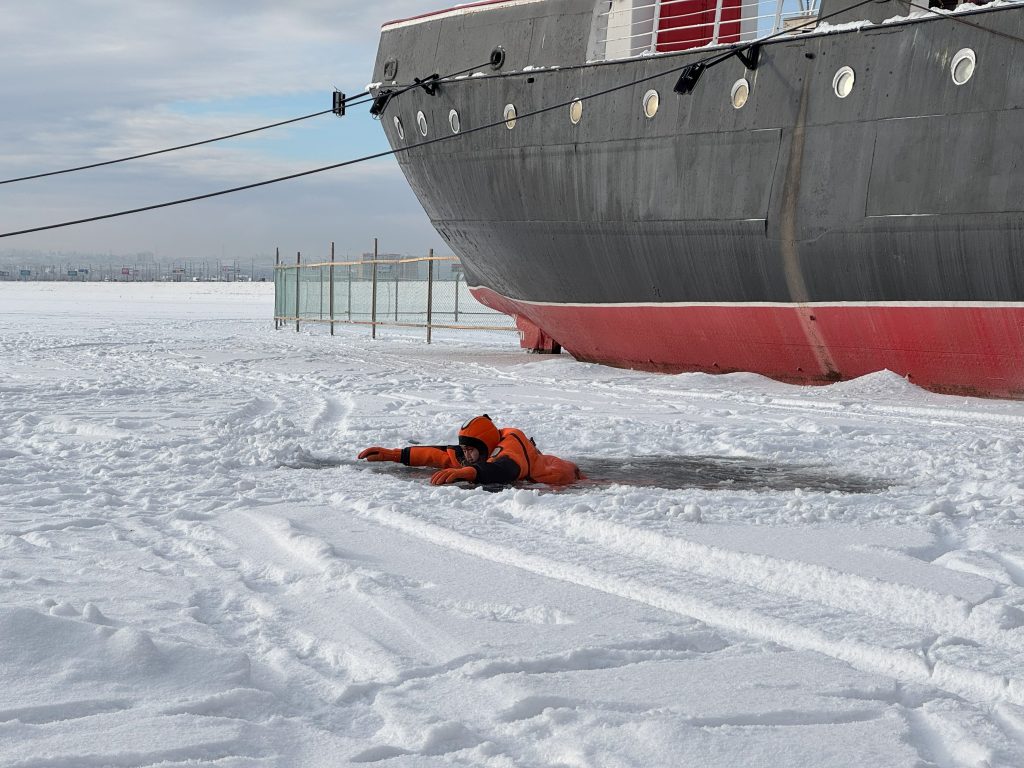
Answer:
(628, 28)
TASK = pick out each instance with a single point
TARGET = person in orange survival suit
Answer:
(486, 455)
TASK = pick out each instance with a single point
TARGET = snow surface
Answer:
(196, 571)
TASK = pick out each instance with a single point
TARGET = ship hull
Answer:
(971, 350)
(804, 237)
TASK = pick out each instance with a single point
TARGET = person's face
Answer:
(470, 455)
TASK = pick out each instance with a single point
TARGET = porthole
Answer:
(421, 121)
(454, 121)
(842, 83)
(399, 127)
(740, 93)
(510, 116)
(576, 111)
(651, 103)
(962, 68)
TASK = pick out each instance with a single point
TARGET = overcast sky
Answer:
(90, 80)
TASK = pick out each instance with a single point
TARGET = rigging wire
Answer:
(708, 61)
(350, 101)
(171, 149)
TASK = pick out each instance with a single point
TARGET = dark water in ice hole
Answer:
(667, 472)
(723, 473)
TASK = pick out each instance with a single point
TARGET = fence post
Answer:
(430, 294)
(457, 278)
(321, 271)
(373, 297)
(349, 293)
(332, 288)
(278, 289)
(397, 268)
(298, 282)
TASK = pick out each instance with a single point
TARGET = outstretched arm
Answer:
(440, 456)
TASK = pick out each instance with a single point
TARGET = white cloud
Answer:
(88, 80)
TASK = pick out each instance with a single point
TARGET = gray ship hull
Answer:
(803, 236)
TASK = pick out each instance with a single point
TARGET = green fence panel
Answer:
(402, 289)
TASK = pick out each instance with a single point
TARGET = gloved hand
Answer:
(377, 453)
(444, 476)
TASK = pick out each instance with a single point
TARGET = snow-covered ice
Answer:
(196, 571)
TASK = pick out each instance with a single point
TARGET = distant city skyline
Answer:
(29, 256)
(91, 81)
(146, 265)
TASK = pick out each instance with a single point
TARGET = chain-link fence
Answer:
(427, 292)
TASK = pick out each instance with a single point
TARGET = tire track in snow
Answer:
(896, 602)
(906, 665)
(273, 579)
(242, 581)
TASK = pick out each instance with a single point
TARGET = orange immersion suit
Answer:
(506, 455)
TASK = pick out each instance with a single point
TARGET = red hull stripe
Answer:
(456, 11)
(958, 347)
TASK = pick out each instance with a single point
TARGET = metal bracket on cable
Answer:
(380, 102)
(338, 106)
(750, 55)
(688, 77)
(429, 84)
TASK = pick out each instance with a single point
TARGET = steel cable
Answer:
(705, 62)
